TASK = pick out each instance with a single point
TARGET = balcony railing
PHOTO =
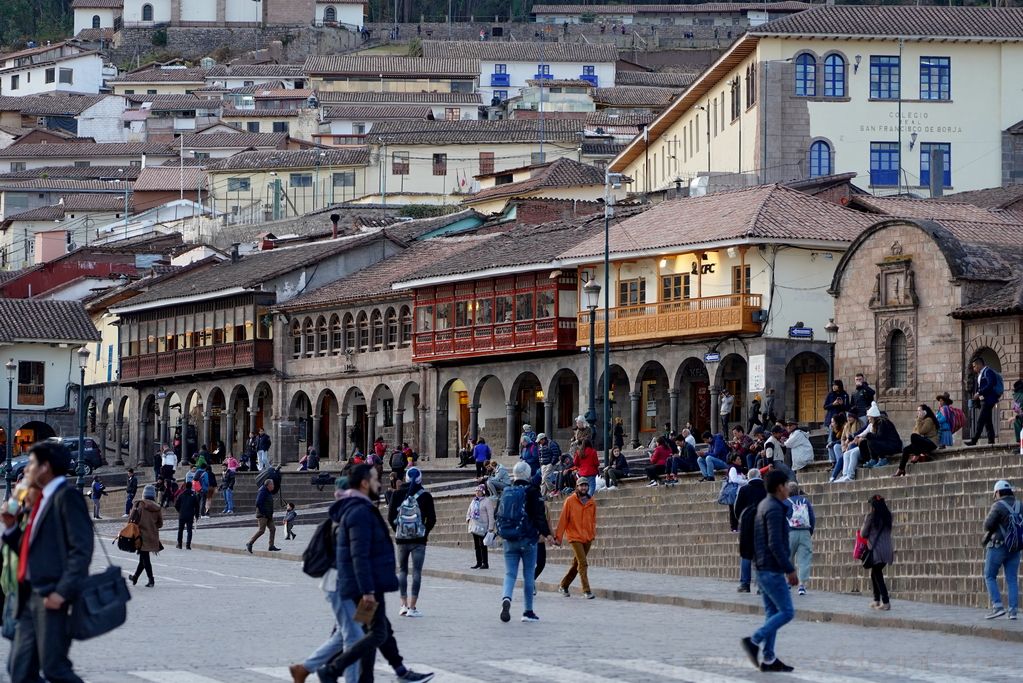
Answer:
(31, 394)
(590, 78)
(245, 355)
(543, 77)
(485, 340)
(728, 314)
(499, 80)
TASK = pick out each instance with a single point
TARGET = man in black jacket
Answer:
(131, 487)
(54, 551)
(775, 572)
(265, 515)
(187, 505)
(749, 497)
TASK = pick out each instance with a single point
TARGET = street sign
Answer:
(801, 333)
(161, 393)
(711, 357)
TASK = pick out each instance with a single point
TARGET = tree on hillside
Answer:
(38, 20)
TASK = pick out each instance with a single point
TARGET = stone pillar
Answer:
(315, 437)
(252, 421)
(102, 440)
(206, 429)
(634, 399)
(715, 417)
(159, 429)
(399, 426)
(229, 429)
(118, 438)
(421, 446)
(441, 413)
(510, 410)
(673, 409)
(141, 457)
(343, 426)
(474, 422)
(548, 419)
(371, 429)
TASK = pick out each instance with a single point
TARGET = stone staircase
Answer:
(939, 511)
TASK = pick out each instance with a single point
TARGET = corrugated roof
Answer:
(900, 21)
(330, 97)
(535, 52)
(38, 320)
(158, 75)
(162, 178)
(301, 158)
(86, 149)
(387, 65)
(472, 132)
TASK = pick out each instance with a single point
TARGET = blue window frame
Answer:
(925, 162)
(589, 70)
(543, 69)
(806, 75)
(884, 78)
(834, 76)
(500, 68)
(935, 78)
(884, 163)
(820, 159)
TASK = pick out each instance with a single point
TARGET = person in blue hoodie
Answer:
(716, 456)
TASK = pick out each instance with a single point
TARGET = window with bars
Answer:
(898, 359)
(486, 163)
(935, 78)
(884, 78)
(440, 164)
(400, 163)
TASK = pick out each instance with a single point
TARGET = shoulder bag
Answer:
(102, 604)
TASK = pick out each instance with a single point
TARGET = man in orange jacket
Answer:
(578, 522)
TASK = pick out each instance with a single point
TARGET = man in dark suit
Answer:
(50, 569)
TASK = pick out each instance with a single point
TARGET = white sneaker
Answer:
(125, 514)
(413, 612)
(842, 479)
(403, 611)
(651, 484)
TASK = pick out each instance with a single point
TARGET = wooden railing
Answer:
(31, 394)
(254, 354)
(506, 337)
(731, 313)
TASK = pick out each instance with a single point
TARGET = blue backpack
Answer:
(997, 385)
(513, 523)
(1012, 531)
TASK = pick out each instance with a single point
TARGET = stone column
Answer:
(548, 419)
(474, 422)
(634, 399)
(510, 410)
(441, 413)
(102, 440)
(221, 12)
(715, 417)
(673, 409)
(343, 426)
(371, 429)
(421, 445)
(118, 438)
(399, 426)
(206, 429)
(159, 429)
(252, 421)
(229, 435)
(140, 453)
(315, 438)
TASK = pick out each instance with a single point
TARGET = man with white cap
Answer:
(1004, 526)
(412, 515)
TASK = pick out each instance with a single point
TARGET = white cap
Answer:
(873, 410)
(1002, 485)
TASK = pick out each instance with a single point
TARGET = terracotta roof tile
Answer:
(49, 105)
(557, 174)
(635, 96)
(603, 148)
(375, 112)
(766, 212)
(386, 65)
(497, 51)
(53, 212)
(60, 184)
(158, 75)
(663, 79)
(471, 132)
(259, 113)
(327, 97)
(86, 149)
(900, 21)
(75, 173)
(930, 209)
(558, 82)
(223, 71)
(94, 202)
(601, 118)
(172, 102)
(162, 178)
(302, 158)
(709, 7)
(97, 4)
(37, 320)
(240, 140)
(990, 198)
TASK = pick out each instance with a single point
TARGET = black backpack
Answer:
(747, 543)
(318, 557)
(398, 461)
(271, 473)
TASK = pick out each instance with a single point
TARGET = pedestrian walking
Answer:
(187, 505)
(746, 502)
(802, 522)
(149, 518)
(578, 525)
(227, 488)
(550, 456)
(202, 478)
(1004, 540)
(521, 522)
(263, 450)
(265, 515)
(289, 522)
(989, 391)
(50, 571)
(880, 552)
(412, 516)
(948, 419)
(131, 487)
(98, 490)
(480, 518)
(775, 573)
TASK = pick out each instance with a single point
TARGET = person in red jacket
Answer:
(586, 463)
(658, 460)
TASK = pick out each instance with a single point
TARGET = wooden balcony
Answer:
(251, 355)
(708, 316)
(546, 334)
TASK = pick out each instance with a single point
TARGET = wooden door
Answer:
(811, 389)
(463, 419)
(699, 407)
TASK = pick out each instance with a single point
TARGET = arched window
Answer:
(330, 14)
(406, 326)
(296, 339)
(348, 326)
(322, 336)
(147, 12)
(336, 338)
(309, 347)
(362, 322)
(897, 359)
(391, 323)
(834, 76)
(820, 159)
(95, 21)
(377, 323)
(806, 75)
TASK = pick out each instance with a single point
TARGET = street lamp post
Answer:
(591, 292)
(83, 361)
(9, 448)
(832, 329)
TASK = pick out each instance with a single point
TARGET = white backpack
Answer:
(800, 518)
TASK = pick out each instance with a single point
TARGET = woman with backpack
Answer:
(412, 516)
(877, 532)
(480, 518)
(946, 418)
(149, 516)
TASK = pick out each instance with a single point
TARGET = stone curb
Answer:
(802, 614)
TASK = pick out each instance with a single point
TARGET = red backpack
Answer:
(955, 416)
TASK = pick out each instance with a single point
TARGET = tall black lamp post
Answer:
(9, 446)
(832, 329)
(83, 361)
(591, 294)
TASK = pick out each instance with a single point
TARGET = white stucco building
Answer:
(193, 12)
(91, 14)
(349, 14)
(60, 67)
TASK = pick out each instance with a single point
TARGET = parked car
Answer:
(18, 465)
(91, 456)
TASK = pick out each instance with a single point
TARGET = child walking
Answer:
(289, 522)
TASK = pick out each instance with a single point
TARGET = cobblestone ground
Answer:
(234, 618)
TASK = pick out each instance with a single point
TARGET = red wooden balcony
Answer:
(253, 355)
(546, 334)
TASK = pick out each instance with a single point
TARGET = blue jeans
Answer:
(852, 459)
(351, 631)
(835, 451)
(836, 472)
(777, 609)
(708, 463)
(329, 648)
(228, 500)
(524, 551)
(996, 559)
(745, 571)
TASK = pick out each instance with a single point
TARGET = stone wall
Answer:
(1012, 155)
(787, 125)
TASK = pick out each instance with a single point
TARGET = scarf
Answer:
(474, 508)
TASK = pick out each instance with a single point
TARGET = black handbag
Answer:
(867, 558)
(10, 622)
(102, 604)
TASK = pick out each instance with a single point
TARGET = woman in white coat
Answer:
(480, 518)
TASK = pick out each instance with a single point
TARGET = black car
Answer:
(18, 465)
(91, 456)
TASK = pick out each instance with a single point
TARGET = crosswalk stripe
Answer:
(817, 676)
(915, 674)
(677, 673)
(281, 673)
(173, 677)
(439, 674)
(527, 667)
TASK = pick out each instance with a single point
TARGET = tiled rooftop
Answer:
(634, 96)
(303, 158)
(157, 75)
(900, 21)
(37, 320)
(85, 149)
(470, 132)
(535, 52)
(558, 173)
(329, 97)
(386, 65)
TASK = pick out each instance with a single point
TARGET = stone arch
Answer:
(95, 21)
(732, 374)
(355, 406)
(348, 332)
(805, 74)
(147, 12)
(238, 426)
(336, 337)
(806, 386)
(325, 434)
(215, 423)
(988, 348)
(381, 415)
(322, 336)
(308, 337)
(147, 436)
(885, 386)
(527, 396)
(330, 14)
(492, 409)
(300, 422)
(653, 386)
(405, 326)
(563, 396)
(455, 418)
(617, 395)
(296, 338)
(362, 331)
(31, 432)
(262, 402)
(692, 380)
(835, 64)
(376, 324)
(407, 423)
